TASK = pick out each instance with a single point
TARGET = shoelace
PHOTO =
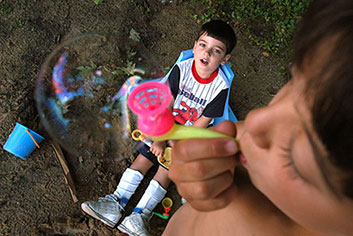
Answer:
(109, 197)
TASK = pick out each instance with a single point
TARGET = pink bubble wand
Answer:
(150, 101)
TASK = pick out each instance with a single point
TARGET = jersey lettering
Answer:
(192, 97)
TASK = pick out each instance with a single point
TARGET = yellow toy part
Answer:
(137, 135)
(167, 202)
(166, 159)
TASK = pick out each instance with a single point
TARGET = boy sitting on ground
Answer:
(199, 91)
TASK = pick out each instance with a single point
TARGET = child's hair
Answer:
(332, 106)
(221, 31)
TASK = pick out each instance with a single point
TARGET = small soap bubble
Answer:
(82, 90)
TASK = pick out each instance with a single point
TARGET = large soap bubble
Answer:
(82, 90)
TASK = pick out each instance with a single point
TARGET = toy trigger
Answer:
(166, 210)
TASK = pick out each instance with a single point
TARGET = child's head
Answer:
(299, 149)
(325, 42)
(221, 31)
(213, 46)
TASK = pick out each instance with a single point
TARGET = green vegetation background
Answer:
(268, 23)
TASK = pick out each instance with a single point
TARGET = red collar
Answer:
(201, 80)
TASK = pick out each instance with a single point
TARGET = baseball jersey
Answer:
(194, 96)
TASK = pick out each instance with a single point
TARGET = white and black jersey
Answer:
(195, 96)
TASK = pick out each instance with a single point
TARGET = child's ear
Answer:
(225, 59)
(193, 49)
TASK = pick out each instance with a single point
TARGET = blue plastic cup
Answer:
(20, 143)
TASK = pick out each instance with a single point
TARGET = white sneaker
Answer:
(107, 209)
(135, 224)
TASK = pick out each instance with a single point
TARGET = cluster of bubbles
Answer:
(82, 90)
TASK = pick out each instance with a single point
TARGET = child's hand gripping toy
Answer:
(150, 101)
(165, 160)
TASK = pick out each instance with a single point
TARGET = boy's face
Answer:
(209, 53)
(288, 163)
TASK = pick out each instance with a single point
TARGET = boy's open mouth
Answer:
(204, 62)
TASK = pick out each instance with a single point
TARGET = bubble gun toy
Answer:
(150, 101)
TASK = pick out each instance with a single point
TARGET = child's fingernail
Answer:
(231, 146)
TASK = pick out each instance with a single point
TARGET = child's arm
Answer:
(157, 147)
(202, 122)
(203, 169)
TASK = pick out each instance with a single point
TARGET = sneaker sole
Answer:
(124, 229)
(96, 215)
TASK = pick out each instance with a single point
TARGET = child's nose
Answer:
(259, 124)
(208, 52)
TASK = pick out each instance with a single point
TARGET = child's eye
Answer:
(286, 152)
(216, 51)
(290, 165)
(202, 45)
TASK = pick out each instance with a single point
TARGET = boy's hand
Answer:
(157, 148)
(203, 169)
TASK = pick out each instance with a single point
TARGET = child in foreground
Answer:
(294, 172)
(199, 92)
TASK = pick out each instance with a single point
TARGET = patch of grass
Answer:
(87, 69)
(5, 9)
(97, 2)
(268, 23)
(142, 5)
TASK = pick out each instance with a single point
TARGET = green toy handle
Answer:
(165, 217)
(178, 132)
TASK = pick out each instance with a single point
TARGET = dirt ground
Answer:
(34, 199)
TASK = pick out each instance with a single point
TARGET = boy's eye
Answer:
(287, 153)
(289, 163)
(202, 45)
(217, 51)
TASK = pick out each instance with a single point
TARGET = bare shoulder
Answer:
(250, 213)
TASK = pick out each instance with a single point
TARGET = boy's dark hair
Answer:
(221, 31)
(332, 105)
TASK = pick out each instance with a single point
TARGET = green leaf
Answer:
(97, 2)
